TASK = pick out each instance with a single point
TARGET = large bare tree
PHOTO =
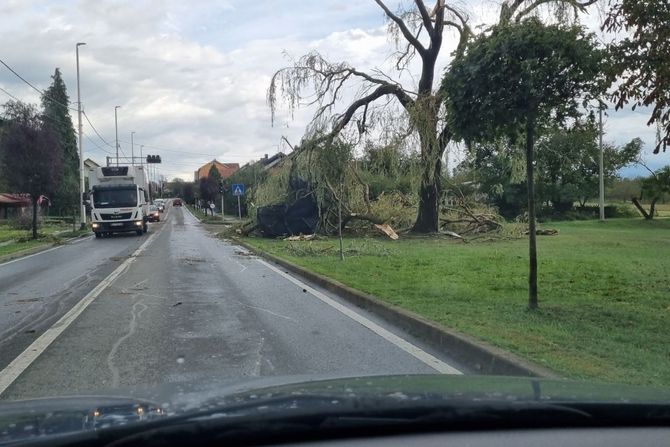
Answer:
(417, 31)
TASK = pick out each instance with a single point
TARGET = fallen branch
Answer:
(247, 228)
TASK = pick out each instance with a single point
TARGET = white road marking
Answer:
(32, 352)
(401, 343)
(81, 240)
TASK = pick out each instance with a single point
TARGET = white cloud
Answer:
(191, 77)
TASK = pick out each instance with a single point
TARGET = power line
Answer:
(96, 144)
(95, 130)
(9, 94)
(42, 115)
(171, 150)
(41, 92)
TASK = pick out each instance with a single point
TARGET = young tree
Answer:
(567, 164)
(522, 76)
(209, 187)
(418, 31)
(653, 188)
(31, 155)
(55, 102)
(214, 173)
(188, 192)
(640, 59)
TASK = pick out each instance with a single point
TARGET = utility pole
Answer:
(82, 207)
(601, 195)
(132, 149)
(141, 159)
(116, 126)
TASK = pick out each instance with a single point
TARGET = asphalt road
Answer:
(180, 307)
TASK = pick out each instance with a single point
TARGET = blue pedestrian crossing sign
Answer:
(238, 189)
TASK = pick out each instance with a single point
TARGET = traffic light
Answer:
(221, 188)
(153, 159)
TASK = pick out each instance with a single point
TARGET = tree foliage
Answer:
(208, 188)
(516, 80)
(654, 188)
(568, 167)
(31, 154)
(640, 59)
(214, 174)
(55, 102)
(417, 32)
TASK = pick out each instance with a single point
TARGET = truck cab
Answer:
(119, 200)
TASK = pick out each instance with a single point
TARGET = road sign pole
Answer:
(222, 213)
(239, 208)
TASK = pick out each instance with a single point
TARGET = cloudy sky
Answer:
(191, 76)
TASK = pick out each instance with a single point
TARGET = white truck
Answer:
(119, 199)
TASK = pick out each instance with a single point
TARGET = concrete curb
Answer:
(477, 355)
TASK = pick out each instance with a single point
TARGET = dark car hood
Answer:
(51, 416)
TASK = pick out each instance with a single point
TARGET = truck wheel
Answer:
(98, 235)
(145, 228)
(139, 232)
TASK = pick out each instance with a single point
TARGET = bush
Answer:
(548, 214)
(24, 221)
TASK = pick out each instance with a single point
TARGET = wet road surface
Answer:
(181, 307)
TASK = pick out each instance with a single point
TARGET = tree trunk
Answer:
(34, 200)
(652, 208)
(639, 207)
(427, 220)
(532, 233)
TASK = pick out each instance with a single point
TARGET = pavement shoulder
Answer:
(481, 357)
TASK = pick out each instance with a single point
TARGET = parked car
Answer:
(154, 214)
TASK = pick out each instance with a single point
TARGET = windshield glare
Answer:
(114, 198)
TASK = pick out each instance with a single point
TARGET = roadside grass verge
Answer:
(603, 287)
(14, 241)
(14, 247)
(209, 219)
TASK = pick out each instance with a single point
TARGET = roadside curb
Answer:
(192, 213)
(479, 356)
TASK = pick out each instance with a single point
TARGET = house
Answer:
(89, 166)
(270, 162)
(15, 201)
(225, 169)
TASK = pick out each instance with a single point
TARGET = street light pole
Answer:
(601, 193)
(116, 126)
(141, 159)
(82, 207)
(132, 149)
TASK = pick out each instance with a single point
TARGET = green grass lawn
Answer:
(604, 291)
(208, 218)
(16, 247)
(13, 241)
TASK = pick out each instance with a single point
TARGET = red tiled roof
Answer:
(225, 169)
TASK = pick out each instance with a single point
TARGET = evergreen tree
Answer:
(55, 102)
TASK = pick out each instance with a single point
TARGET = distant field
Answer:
(663, 209)
(604, 291)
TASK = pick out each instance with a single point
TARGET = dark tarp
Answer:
(300, 217)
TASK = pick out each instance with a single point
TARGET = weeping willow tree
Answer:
(329, 173)
(418, 110)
